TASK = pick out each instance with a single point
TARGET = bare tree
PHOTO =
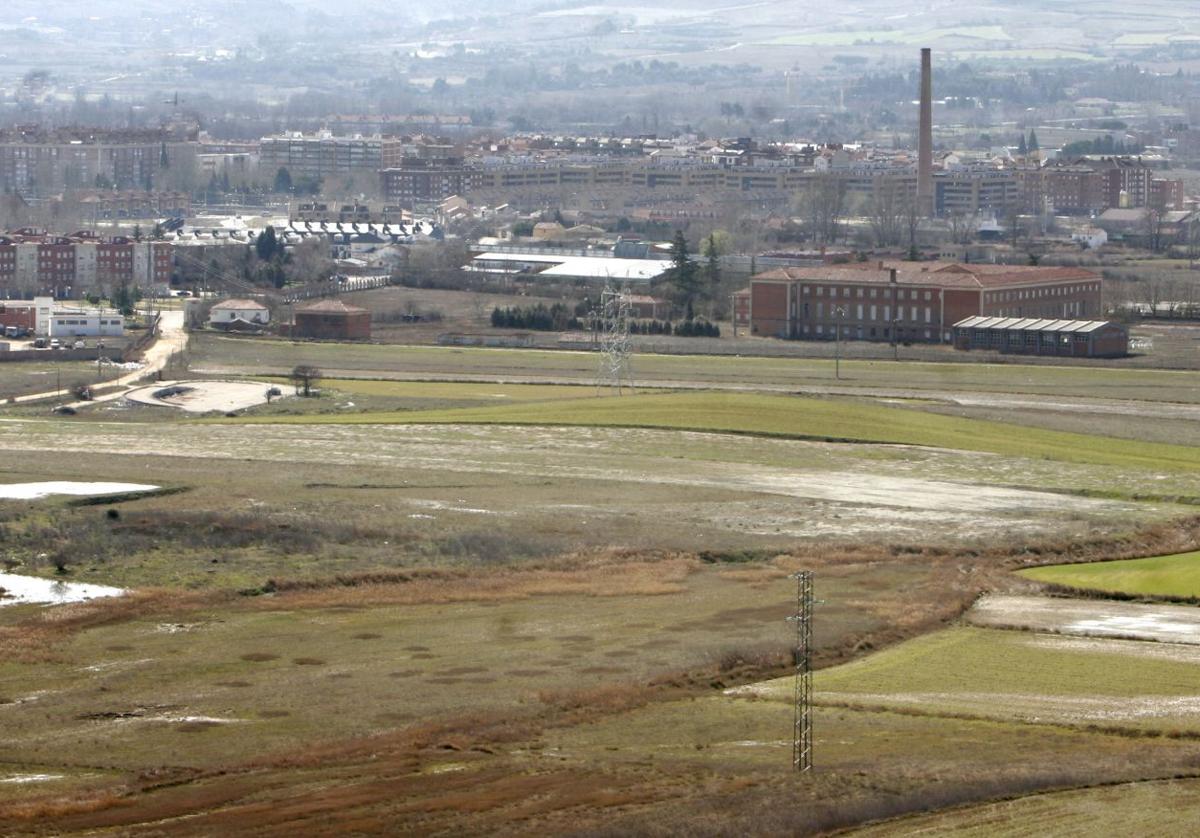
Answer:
(962, 226)
(305, 378)
(886, 212)
(822, 205)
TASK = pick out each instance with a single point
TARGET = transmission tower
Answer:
(612, 320)
(802, 742)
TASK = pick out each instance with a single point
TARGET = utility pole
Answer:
(838, 313)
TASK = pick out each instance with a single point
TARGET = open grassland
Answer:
(1167, 807)
(1171, 576)
(605, 762)
(804, 418)
(19, 378)
(185, 683)
(355, 395)
(302, 501)
(216, 354)
(503, 605)
(1022, 676)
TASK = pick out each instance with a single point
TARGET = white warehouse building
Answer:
(56, 321)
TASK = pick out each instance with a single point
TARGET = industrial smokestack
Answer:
(925, 138)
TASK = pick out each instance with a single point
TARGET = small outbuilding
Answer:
(1031, 336)
(332, 320)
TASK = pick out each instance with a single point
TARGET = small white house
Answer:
(248, 311)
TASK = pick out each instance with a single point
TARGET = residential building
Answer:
(320, 154)
(37, 162)
(232, 311)
(33, 262)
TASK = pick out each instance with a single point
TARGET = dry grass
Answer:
(594, 576)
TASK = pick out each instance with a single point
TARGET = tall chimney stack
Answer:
(925, 138)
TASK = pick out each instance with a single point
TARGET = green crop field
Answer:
(213, 354)
(802, 418)
(1177, 575)
(1167, 807)
(1020, 676)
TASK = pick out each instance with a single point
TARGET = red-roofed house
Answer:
(912, 301)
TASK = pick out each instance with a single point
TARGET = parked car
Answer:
(78, 344)
(39, 343)
(55, 343)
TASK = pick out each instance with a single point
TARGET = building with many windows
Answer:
(35, 263)
(910, 301)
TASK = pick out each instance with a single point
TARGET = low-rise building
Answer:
(332, 320)
(911, 301)
(232, 311)
(1033, 336)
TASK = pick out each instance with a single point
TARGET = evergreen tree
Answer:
(712, 267)
(684, 275)
(1022, 148)
(283, 180)
(266, 245)
(1033, 141)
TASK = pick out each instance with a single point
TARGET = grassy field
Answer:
(1177, 575)
(297, 500)
(505, 604)
(1167, 807)
(805, 418)
(1022, 676)
(225, 355)
(18, 378)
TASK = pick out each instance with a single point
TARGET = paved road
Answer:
(172, 337)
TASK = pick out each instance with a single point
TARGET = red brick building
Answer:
(428, 181)
(332, 320)
(1094, 184)
(911, 301)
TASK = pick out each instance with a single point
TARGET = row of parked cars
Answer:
(55, 343)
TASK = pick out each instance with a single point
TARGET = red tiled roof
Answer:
(933, 274)
(330, 307)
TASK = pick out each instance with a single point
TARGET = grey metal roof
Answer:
(1031, 324)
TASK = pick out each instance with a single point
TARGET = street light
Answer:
(838, 312)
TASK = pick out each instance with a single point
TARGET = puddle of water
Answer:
(26, 589)
(31, 778)
(33, 491)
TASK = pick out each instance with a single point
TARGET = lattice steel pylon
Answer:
(802, 739)
(612, 320)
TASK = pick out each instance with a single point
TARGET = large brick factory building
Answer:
(909, 301)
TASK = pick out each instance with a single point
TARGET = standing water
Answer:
(16, 589)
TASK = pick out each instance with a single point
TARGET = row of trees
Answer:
(686, 329)
(540, 318)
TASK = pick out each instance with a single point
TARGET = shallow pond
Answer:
(33, 491)
(15, 589)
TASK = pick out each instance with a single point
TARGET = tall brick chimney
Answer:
(925, 138)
